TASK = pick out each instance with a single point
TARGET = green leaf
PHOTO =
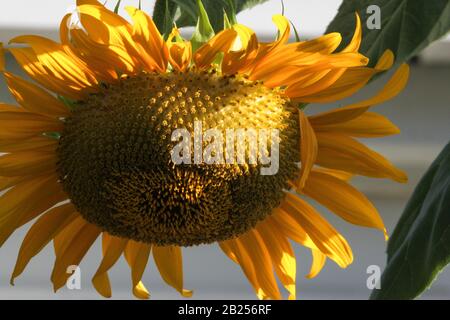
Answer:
(247, 4)
(419, 247)
(164, 15)
(204, 31)
(407, 26)
(215, 8)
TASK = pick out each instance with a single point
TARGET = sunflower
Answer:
(87, 152)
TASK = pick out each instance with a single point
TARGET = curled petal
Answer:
(221, 42)
(170, 266)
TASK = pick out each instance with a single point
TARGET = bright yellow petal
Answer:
(71, 245)
(243, 51)
(136, 254)
(170, 265)
(318, 263)
(343, 199)
(103, 68)
(28, 60)
(221, 42)
(180, 52)
(35, 99)
(341, 152)
(281, 254)
(367, 125)
(41, 233)
(284, 28)
(291, 227)
(227, 248)
(112, 248)
(351, 81)
(105, 27)
(295, 54)
(254, 245)
(308, 149)
(324, 236)
(392, 88)
(235, 250)
(59, 64)
(355, 43)
(151, 44)
(343, 175)
(105, 58)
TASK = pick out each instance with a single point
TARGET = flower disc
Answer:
(115, 157)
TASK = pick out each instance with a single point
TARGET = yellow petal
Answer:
(284, 28)
(318, 263)
(258, 253)
(221, 42)
(324, 236)
(281, 254)
(34, 143)
(140, 291)
(27, 163)
(59, 64)
(343, 199)
(101, 55)
(180, 55)
(343, 175)
(355, 43)
(99, 65)
(35, 99)
(151, 44)
(112, 248)
(298, 91)
(341, 152)
(392, 88)
(28, 60)
(71, 245)
(180, 52)
(351, 81)
(170, 265)
(8, 182)
(294, 53)
(243, 51)
(228, 250)
(107, 28)
(367, 125)
(17, 125)
(27, 200)
(235, 250)
(308, 149)
(41, 233)
(290, 226)
(136, 254)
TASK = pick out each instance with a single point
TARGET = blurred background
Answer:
(422, 112)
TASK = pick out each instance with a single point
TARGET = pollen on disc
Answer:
(115, 157)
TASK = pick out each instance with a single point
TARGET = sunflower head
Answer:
(90, 151)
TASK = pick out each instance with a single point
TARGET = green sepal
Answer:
(204, 30)
(117, 7)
